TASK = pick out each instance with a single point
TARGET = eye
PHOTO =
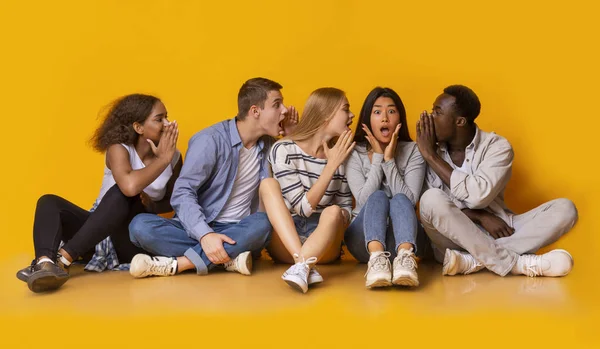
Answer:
(392, 111)
(376, 112)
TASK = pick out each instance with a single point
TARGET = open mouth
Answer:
(385, 131)
(280, 127)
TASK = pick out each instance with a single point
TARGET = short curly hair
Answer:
(117, 126)
(467, 103)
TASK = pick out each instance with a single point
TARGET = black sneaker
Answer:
(25, 273)
(46, 276)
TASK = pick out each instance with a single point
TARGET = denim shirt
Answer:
(208, 174)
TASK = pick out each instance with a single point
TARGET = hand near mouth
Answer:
(375, 146)
(390, 150)
(290, 121)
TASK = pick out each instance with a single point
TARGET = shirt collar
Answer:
(234, 136)
(473, 145)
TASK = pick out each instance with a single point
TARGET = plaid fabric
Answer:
(105, 258)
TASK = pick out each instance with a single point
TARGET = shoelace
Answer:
(161, 267)
(533, 265)
(302, 268)
(378, 263)
(407, 261)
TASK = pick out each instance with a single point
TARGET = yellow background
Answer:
(533, 64)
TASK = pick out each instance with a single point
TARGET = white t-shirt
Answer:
(156, 190)
(244, 187)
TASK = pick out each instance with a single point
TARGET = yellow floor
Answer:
(226, 310)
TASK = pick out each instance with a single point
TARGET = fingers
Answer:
(222, 255)
(294, 114)
(349, 150)
(174, 133)
(431, 126)
(418, 129)
(349, 139)
(227, 239)
(342, 139)
(152, 146)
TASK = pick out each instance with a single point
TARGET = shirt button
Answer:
(467, 160)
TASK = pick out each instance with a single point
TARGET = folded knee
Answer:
(47, 199)
(432, 201)
(140, 226)
(401, 199)
(332, 213)
(568, 210)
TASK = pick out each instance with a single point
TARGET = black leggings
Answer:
(57, 219)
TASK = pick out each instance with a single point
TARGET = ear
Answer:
(254, 112)
(461, 121)
(138, 128)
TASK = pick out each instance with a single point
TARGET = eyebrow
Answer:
(161, 114)
(278, 100)
(379, 105)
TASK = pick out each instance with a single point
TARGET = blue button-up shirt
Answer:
(208, 174)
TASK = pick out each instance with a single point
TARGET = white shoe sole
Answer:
(405, 280)
(570, 257)
(135, 269)
(378, 283)
(245, 266)
(296, 283)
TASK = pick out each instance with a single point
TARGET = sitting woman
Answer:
(142, 163)
(385, 173)
(309, 220)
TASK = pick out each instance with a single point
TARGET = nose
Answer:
(285, 109)
(165, 122)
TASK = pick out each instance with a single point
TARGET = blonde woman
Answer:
(309, 218)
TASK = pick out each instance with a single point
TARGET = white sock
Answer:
(45, 259)
(64, 261)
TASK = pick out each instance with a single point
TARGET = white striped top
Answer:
(296, 173)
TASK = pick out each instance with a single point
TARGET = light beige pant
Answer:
(448, 227)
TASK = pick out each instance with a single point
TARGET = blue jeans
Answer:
(167, 237)
(371, 224)
(306, 226)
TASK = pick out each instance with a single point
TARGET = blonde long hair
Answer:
(318, 110)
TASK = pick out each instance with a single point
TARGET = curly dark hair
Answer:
(467, 103)
(117, 126)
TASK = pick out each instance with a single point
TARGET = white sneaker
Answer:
(553, 263)
(241, 264)
(143, 265)
(379, 270)
(314, 277)
(405, 269)
(297, 275)
(457, 262)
